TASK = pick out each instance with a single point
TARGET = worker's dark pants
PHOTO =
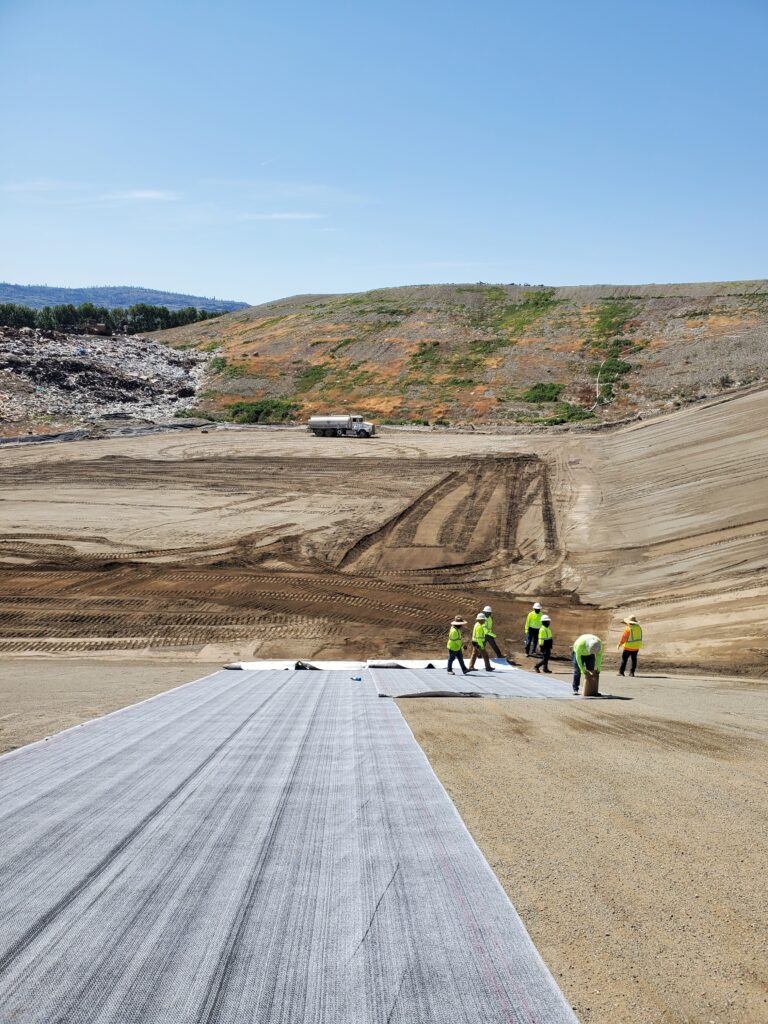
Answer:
(491, 641)
(588, 661)
(546, 651)
(477, 649)
(532, 640)
(625, 657)
(456, 656)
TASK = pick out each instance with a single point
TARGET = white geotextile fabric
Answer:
(503, 682)
(252, 848)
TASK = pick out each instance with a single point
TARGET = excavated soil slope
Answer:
(274, 543)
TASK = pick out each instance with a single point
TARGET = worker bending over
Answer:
(455, 641)
(532, 626)
(478, 643)
(630, 643)
(587, 656)
(490, 636)
(546, 640)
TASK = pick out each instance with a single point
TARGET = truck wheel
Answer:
(363, 433)
(317, 433)
(339, 432)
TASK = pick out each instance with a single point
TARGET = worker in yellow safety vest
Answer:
(532, 626)
(454, 645)
(478, 643)
(490, 636)
(546, 639)
(630, 643)
(587, 654)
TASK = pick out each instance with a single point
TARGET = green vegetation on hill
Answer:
(266, 410)
(542, 393)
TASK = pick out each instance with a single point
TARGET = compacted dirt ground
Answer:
(630, 835)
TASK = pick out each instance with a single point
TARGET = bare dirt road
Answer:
(255, 542)
(630, 835)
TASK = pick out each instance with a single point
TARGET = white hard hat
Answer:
(537, 607)
(487, 609)
(480, 617)
(594, 644)
(545, 618)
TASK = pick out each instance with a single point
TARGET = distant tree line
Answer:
(88, 317)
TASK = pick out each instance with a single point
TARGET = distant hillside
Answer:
(489, 353)
(39, 295)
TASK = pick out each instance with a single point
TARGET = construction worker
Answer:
(532, 624)
(587, 655)
(546, 640)
(490, 636)
(455, 641)
(478, 643)
(630, 643)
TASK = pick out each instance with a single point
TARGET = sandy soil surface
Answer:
(246, 543)
(39, 697)
(630, 835)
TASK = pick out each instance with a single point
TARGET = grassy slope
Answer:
(488, 352)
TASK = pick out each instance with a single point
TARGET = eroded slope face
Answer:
(673, 525)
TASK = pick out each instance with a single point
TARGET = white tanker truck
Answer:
(340, 426)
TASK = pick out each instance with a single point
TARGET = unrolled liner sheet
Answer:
(268, 847)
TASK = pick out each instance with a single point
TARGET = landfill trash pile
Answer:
(47, 376)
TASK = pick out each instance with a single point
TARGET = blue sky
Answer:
(253, 150)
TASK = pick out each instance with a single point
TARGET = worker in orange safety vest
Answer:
(630, 643)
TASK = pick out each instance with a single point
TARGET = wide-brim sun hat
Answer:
(458, 621)
(630, 621)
